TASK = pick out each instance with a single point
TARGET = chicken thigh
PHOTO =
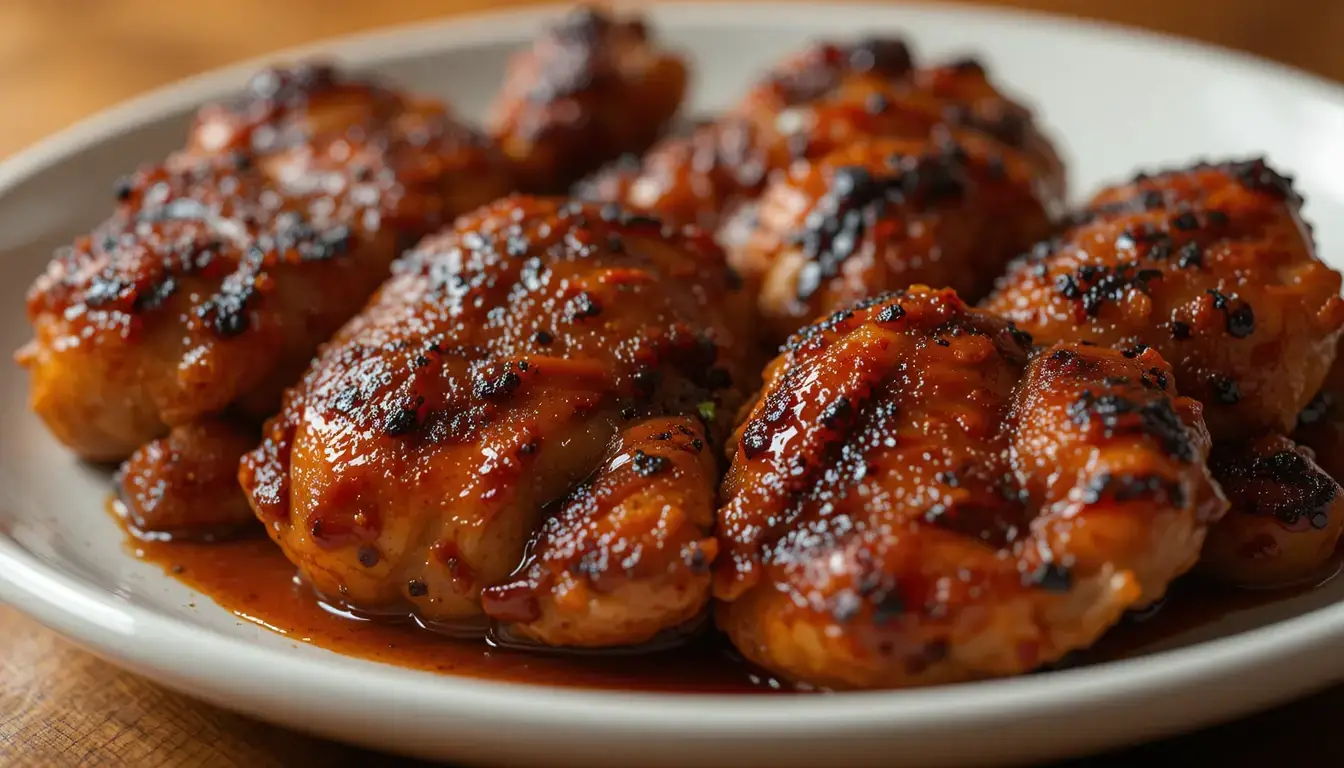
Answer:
(915, 498)
(883, 214)
(589, 89)
(521, 427)
(1212, 266)
(222, 269)
(1287, 510)
(1285, 519)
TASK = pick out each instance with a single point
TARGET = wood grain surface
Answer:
(61, 60)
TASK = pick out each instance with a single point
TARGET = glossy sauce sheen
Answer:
(253, 580)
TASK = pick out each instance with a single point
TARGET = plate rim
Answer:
(96, 619)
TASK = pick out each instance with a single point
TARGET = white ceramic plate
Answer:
(1119, 100)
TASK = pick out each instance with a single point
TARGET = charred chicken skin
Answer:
(1212, 266)
(221, 270)
(699, 179)
(1287, 505)
(528, 409)
(816, 102)
(590, 89)
(1285, 518)
(882, 214)
(824, 97)
(208, 290)
(915, 499)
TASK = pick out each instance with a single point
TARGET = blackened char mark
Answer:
(858, 198)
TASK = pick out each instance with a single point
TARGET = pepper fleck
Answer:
(889, 607)
(399, 422)
(1191, 256)
(1241, 321)
(368, 556)
(754, 443)
(586, 306)
(835, 412)
(1186, 221)
(648, 464)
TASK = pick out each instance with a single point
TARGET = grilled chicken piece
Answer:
(652, 503)
(184, 486)
(543, 359)
(698, 179)
(882, 214)
(1285, 519)
(914, 500)
(221, 270)
(814, 103)
(824, 97)
(1212, 266)
(588, 90)
(1287, 506)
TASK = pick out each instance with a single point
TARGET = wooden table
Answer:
(63, 59)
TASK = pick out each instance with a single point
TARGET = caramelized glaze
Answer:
(488, 379)
(916, 498)
(1286, 514)
(225, 266)
(830, 94)
(881, 214)
(1213, 266)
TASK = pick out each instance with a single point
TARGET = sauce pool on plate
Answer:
(251, 578)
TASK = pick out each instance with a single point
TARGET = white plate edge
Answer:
(1252, 650)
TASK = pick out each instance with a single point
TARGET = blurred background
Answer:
(61, 60)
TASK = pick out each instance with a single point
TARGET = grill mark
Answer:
(1296, 488)
(858, 198)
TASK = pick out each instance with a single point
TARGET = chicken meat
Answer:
(1285, 518)
(1211, 265)
(883, 214)
(521, 427)
(222, 268)
(916, 498)
(1287, 504)
(184, 486)
(813, 103)
(589, 89)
